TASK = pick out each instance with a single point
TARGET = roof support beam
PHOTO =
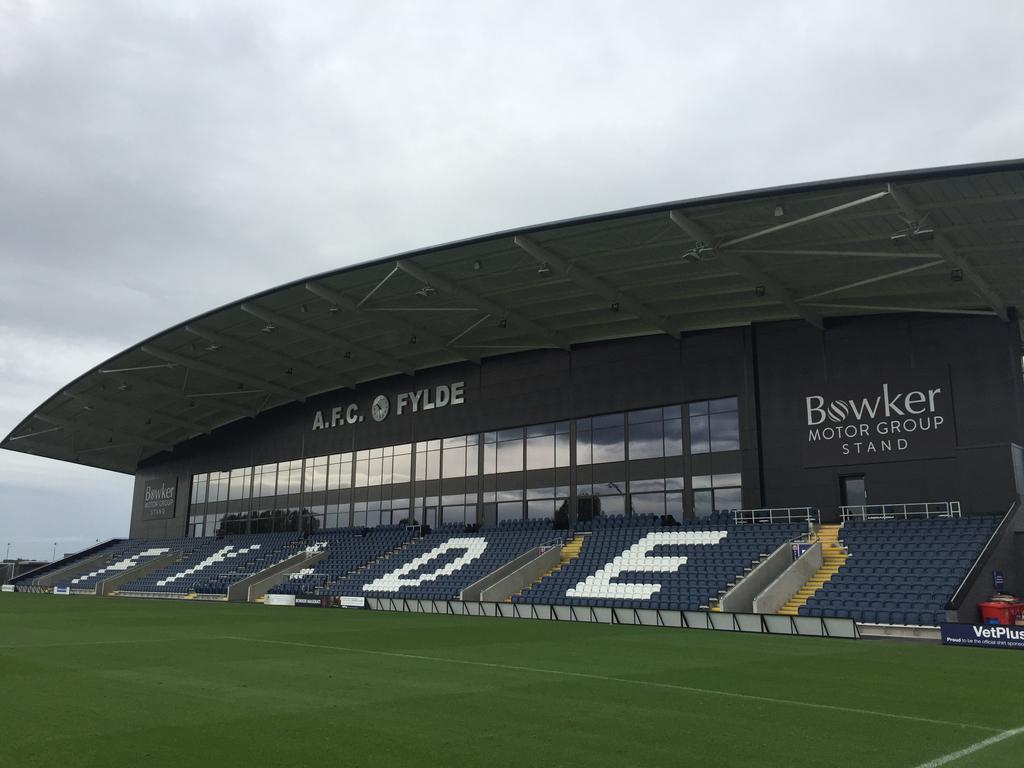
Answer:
(871, 280)
(596, 285)
(334, 339)
(36, 433)
(301, 368)
(414, 331)
(228, 374)
(945, 248)
(135, 439)
(929, 310)
(165, 390)
(93, 403)
(805, 219)
(748, 269)
(482, 303)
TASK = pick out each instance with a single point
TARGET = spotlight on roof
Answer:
(698, 253)
(477, 265)
(503, 323)
(915, 233)
(426, 290)
(759, 290)
(268, 328)
(779, 211)
(543, 269)
(615, 307)
(412, 339)
(956, 275)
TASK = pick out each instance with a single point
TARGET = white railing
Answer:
(778, 515)
(909, 511)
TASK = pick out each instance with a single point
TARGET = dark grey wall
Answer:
(976, 358)
(770, 368)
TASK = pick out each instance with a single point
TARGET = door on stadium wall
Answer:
(852, 491)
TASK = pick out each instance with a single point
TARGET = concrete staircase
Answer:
(833, 556)
(570, 551)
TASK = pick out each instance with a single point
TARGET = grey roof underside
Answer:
(959, 235)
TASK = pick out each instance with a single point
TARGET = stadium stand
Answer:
(212, 565)
(634, 562)
(348, 549)
(32, 579)
(441, 564)
(123, 558)
(893, 571)
(901, 571)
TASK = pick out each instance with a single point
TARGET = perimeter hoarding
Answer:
(983, 635)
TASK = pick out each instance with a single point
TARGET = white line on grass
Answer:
(945, 759)
(609, 679)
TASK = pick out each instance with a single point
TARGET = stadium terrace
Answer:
(795, 403)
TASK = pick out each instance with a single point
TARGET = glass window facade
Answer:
(636, 462)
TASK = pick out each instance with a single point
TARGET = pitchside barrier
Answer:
(811, 626)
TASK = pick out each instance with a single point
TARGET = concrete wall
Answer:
(789, 582)
(740, 599)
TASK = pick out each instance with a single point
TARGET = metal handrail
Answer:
(956, 600)
(904, 511)
(809, 515)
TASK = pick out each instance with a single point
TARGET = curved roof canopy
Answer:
(944, 240)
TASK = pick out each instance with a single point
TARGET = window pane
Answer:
(645, 486)
(562, 449)
(674, 505)
(725, 481)
(432, 466)
(646, 440)
(402, 469)
(540, 430)
(540, 510)
(725, 432)
(648, 503)
(583, 454)
(540, 452)
(674, 437)
(510, 510)
(639, 417)
(454, 462)
(700, 441)
(702, 503)
(728, 499)
(723, 405)
(609, 445)
(510, 456)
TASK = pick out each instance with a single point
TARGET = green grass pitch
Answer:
(121, 682)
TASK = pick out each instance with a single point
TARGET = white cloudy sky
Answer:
(158, 159)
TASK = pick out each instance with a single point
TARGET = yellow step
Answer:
(833, 558)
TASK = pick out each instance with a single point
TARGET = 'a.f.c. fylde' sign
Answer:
(884, 422)
(441, 396)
